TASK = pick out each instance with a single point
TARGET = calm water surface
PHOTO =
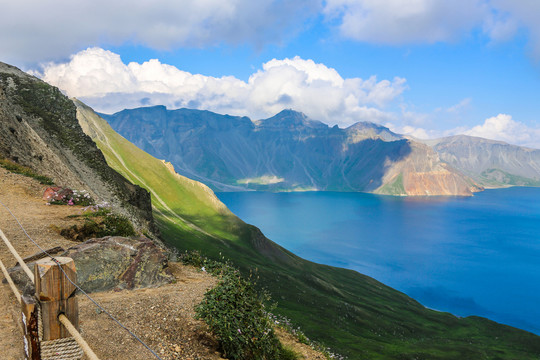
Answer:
(468, 256)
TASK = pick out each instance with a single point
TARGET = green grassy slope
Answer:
(353, 314)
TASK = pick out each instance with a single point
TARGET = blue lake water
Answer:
(468, 256)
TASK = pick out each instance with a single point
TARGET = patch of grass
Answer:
(286, 324)
(24, 170)
(394, 188)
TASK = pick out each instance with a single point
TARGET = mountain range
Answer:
(290, 152)
(353, 314)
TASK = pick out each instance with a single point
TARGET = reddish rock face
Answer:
(56, 193)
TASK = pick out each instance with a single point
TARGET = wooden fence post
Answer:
(29, 314)
(56, 294)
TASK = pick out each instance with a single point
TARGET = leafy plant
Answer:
(236, 313)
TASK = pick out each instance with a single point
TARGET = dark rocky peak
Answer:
(291, 120)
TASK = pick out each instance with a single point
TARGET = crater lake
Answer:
(475, 255)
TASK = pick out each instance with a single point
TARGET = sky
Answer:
(425, 68)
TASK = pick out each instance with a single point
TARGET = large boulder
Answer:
(112, 262)
(115, 262)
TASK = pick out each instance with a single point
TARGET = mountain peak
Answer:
(291, 119)
(366, 129)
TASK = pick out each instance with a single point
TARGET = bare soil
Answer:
(162, 317)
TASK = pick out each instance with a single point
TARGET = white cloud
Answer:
(102, 80)
(405, 21)
(513, 14)
(415, 132)
(398, 22)
(502, 127)
(44, 30)
(35, 31)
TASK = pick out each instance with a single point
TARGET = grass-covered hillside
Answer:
(353, 314)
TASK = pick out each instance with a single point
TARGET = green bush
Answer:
(96, 227)
(116, 225)
(236, 314)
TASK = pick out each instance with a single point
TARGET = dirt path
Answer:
(161, 317)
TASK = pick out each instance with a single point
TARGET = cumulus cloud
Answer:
(502, 127)
(50, 29)
(101, 79)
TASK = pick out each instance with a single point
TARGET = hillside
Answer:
(39, 129)
(353, 314)
(288, 152)
(490, 163)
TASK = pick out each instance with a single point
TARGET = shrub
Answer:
(236, 314)
(105, 224)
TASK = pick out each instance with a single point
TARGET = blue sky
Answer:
(427, 68)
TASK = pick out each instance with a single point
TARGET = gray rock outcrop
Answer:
(108, 263)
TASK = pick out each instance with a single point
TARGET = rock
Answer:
(118, 262)
(25, 286)
(112, 262)
(56, 193)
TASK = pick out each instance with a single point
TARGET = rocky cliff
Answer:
(287, 152)
(39, 129)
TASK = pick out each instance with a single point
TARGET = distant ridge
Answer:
(490, 163)
(235, 153)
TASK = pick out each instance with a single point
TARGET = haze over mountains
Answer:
(290, 152)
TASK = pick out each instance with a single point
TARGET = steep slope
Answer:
(288, 152)
(39, 129)
(489, 162)
(352, 313)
